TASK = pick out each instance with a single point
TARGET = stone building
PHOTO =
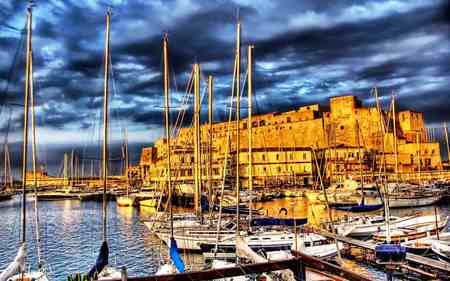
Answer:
(287, 145)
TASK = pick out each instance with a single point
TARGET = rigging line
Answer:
(185, 101)
(227, 148)
(11, 72)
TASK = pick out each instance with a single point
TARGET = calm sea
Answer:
(71, 235)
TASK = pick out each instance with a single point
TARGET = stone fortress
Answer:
(287, 146)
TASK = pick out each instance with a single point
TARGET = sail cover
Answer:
(175, 256)
(102, 260)
(267, 221)
(17, 265)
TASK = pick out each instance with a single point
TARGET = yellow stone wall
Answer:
(345, 128)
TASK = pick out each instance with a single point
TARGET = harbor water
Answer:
(71, 233)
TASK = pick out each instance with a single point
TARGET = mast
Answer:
(25, 123)
(360, 162)
(446, 141)
(197, 156)
(383, 179)
(395, 138)
(66, 171)
(34, 151)
(167, 126)
(210, 151)
(105, 121)
(126, 159)
(238, 117)
(419, 164)
(250, 127)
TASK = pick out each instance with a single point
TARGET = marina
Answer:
(199, 182)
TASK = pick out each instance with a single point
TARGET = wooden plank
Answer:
(428, 262)
(296, 264)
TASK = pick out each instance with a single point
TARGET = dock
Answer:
(302, 266)
(423, 266)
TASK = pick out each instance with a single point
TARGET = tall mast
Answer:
(383, 179)
(35, 183)
(25, 122)
(395, 138)
(210, 151)
(167, 126)
(238, 117)
(250, 126)
(105, 121)
(197, 172)
(446, 141)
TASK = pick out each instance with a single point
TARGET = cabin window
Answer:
(304, 155)
(278, 157)
(265, 169)
(263, 157)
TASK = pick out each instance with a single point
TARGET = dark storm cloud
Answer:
(305, 52)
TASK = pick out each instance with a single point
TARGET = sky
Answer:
(305, 52)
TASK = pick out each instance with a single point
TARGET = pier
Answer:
(423, 266)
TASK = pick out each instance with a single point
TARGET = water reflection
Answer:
(72, 231)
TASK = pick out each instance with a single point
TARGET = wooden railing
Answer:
(298, 265)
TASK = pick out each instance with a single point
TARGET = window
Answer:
(264, 158)
(291, 156)
(304, 155)
(278, 157)
(279, 169)
(342, 127)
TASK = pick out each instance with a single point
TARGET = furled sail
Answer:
(17, 265)
(175, 256)
(102, 260)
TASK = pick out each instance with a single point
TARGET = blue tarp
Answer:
(277, 221)
(102, 260)
(390, 252)
(361, 208)
(175, 256)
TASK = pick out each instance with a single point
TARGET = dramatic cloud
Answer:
(305, 52)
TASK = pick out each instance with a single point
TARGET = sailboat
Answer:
(387, 252)
(176, 264)
(362, 206)
(100, 269)
(18, 265)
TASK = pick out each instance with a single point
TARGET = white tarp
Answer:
(16, 266)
